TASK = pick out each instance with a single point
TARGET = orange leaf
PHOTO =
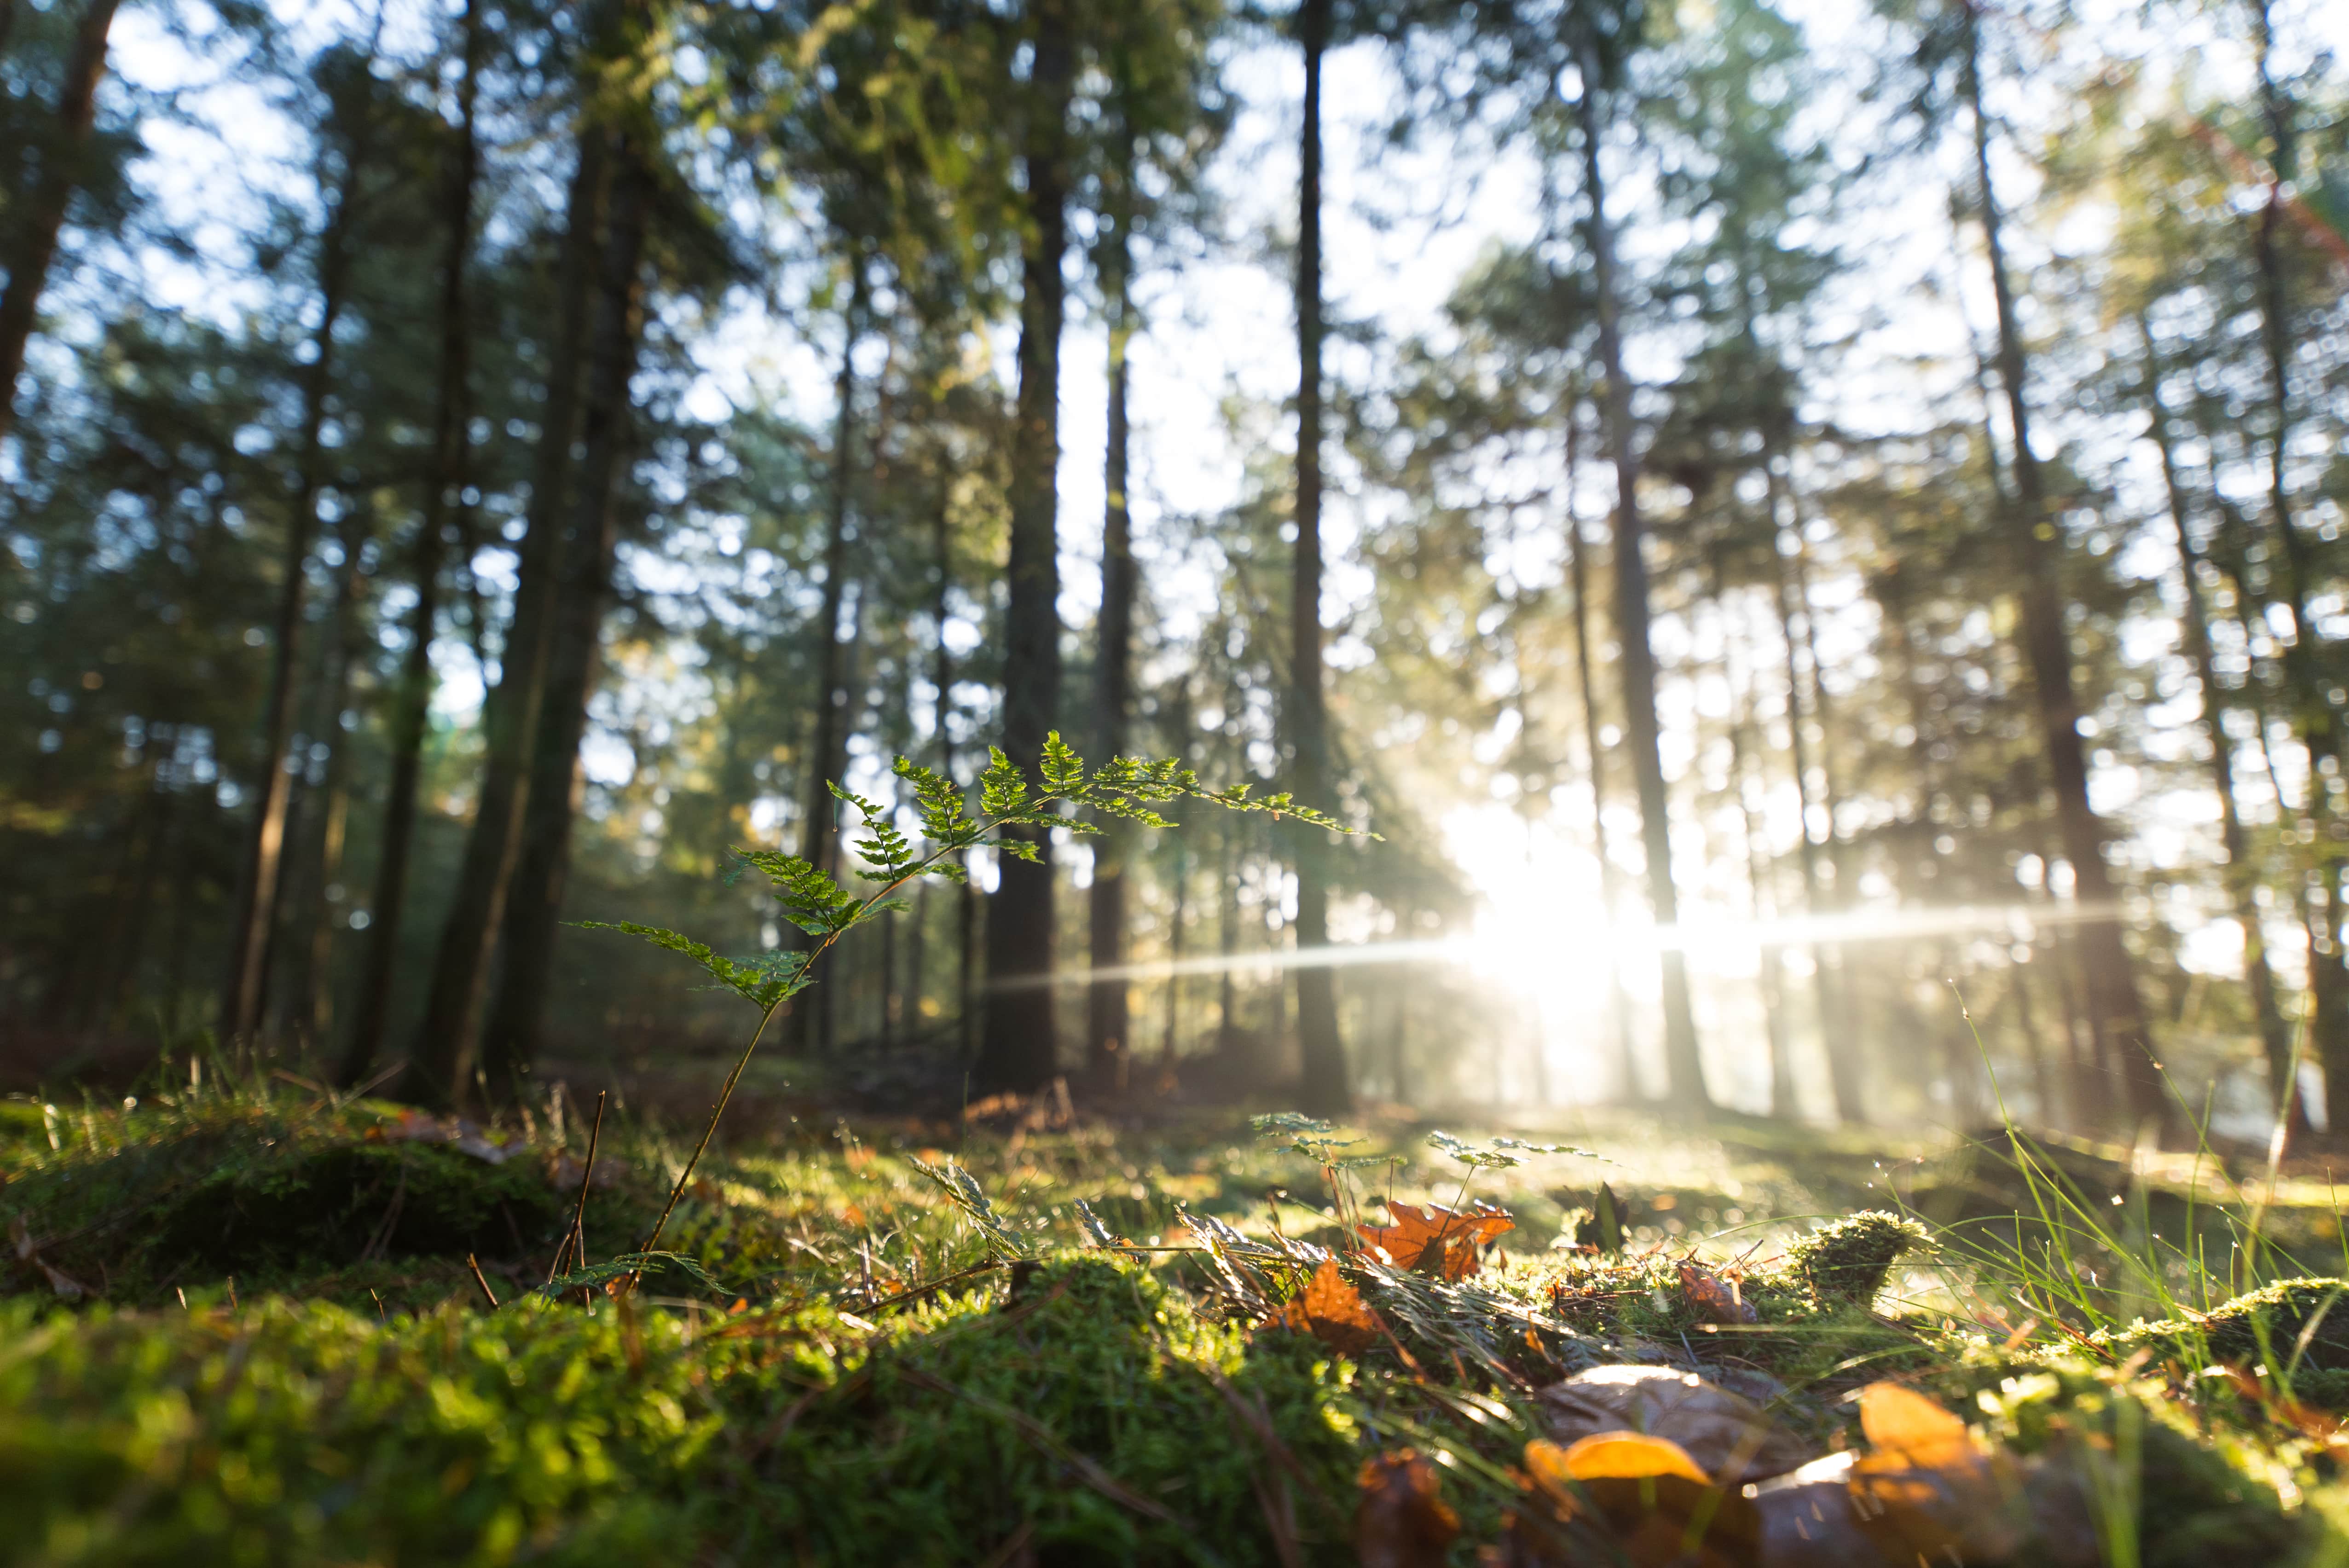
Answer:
(1400, 1519)
(1928, 1490)
(1436, 1240)
(1331, 1309)
(1715, 1299)
(1646, 1494)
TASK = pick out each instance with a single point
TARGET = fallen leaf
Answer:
(1808, 1519)
(1436, 1240)
(1727, 1435)
(1654, 1504)
(1331, 1309)
(1928, 1488)
(1400, 1519)
(1715, 1299)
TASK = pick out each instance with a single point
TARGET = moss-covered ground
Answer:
(241, 1325)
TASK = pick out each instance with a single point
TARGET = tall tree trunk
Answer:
(1683, 1066)
(2240, 874)
(60, 175)
(312, 1001)
(1108, 1027)
(1760, 874)
(814, 1021)
(444, 490)
(1019, 1045)
(2114, 1010)
(2315, 712)
(1610, 877)
(1835, 1032)
(1325, 1090)
(242, 995)
(943, 675)
(511, 1042)
(441, 1057)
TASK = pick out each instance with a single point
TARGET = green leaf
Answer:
(963, 1191)
(756, 981)
(597, 1276)
(1002, 788)
(1064, 770)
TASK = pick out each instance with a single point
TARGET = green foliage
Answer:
(1004, 1243)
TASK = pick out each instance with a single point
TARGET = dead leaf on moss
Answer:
(1716, 1300)
(1654, 1505)
(1727, 1435)
(1436, 1240)
(1331, 1310)
(1928, 1488)
(1400, 1519)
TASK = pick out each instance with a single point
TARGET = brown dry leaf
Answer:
(1400, 1519)
(1331, 1310)
(1645, 1492)
(1928, 1490)
(1728, 1435)
(1715, 1299)
(1808, 1519)
(1436, 1240)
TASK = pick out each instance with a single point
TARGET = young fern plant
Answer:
(1008, 808)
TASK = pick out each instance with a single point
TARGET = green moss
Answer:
(2301, 1323)
(1847, 1261)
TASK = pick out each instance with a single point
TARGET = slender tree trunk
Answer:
(2114, 1010)
(451, 467)
(312, 1001)
(943, 674)
(441, 1059)
(512, 1041)
(2241, 874)
(1325, 1090)
(1108, 1027)
(1761, 873)
(60, 175)
(1610, 878)
(1019, 1046)
(1683, 1066)
(2315, 711)
(241, 997)
(813, 1021)
(1835, 1031)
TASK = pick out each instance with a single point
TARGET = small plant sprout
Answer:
(1009, 807)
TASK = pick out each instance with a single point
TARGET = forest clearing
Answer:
(1707, 927)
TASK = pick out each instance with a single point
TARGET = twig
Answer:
(575, 1240)
(902, 1297)
(479, 1279)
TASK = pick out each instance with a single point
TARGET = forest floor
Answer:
(250, 1322)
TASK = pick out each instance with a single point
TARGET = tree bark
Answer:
(60, 175)
(441, 1059)
(451, 465)
(943, 674)
(1019, 1046)
(1108, 1026)
(1325, 1090)
(242, 995)
(2115, 1012)
(2240, 873)
(1610, 877)
(511, 1042)
(1683, 1066)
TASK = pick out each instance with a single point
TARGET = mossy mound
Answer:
(344, 1202)
(946, 1445)
(2302, 1324)
(1847, 1261)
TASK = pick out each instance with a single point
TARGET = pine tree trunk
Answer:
(451, 465)
(313, 1001)
(58, 176)
(1108, 1027)
(1761, 873)
(440, 1060)
(943, 674)
(241, 997)
(2114, 1011)
(1683, 1066)
(511, 1042)
(1019, 1047)
(2240, 874)
(1325, 1090)
(1610, 877)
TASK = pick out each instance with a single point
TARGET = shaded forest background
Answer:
(1873, 509)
